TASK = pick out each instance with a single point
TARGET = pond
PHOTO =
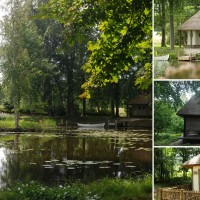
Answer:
(176, 70)
(75, 156)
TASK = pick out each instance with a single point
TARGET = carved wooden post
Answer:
(181, 194)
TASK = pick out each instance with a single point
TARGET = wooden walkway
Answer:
(125, 122)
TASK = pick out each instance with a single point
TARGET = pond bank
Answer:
(106, 189)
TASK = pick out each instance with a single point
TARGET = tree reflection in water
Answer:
(52, 158)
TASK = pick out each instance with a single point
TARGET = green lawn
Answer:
(36, 123)
(160, 51)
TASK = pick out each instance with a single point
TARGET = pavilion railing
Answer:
(171, 194)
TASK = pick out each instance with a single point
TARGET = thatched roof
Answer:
(191, 108)
(192, 23)
(192, 162)
(140, 100)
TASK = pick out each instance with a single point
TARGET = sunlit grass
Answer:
(27, 122)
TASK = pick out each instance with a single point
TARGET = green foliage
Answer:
(162, 116)
(46, 124)
(107, 189)
(7, 106)
(168, 165)
(9, 196)
(122, 36)
(177, 123)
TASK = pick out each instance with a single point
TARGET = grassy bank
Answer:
(166, 138)
(105, 189)
(29, 123)
(160, 51)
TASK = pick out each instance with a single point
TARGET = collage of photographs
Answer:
(176, 41)
(99, 99)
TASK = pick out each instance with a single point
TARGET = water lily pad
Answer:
(48, 161)
(59, 164)
(116, 164)
(71, 168)
(104, 167)
(46, 165)
(131, 166)
(55, 160)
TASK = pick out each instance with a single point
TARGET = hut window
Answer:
(199, 34)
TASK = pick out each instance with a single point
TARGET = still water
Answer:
(75, 156)
(176, 70)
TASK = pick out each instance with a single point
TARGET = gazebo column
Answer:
(180, 39)
(191, 36)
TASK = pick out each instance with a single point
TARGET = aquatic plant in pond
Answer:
(107, 189)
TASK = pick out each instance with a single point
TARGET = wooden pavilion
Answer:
(194, 164)
(190, 34)
(139, 106)
(191, 114)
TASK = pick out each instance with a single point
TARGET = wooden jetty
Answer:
(129, 122)
(162, 58)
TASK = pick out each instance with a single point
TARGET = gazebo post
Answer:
(180, 38)
(191, 35)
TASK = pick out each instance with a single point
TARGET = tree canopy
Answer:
(123, 36)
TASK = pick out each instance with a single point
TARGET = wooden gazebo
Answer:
(191, 114)
(139, 106)
(194, 164)
(190, 31)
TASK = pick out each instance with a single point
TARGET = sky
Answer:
(2, 11)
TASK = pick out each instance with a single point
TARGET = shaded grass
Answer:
(105, 189)
(166, 138)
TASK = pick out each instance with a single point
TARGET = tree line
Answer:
(168, 165)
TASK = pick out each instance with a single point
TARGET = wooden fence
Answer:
(170, 194)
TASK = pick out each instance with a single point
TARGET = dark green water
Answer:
(83, 156)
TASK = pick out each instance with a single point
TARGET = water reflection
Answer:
(59, 158)
(176, 70)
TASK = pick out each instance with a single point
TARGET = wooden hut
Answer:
(190, 34)
(191, 114)
(139, 106)
(194, 164)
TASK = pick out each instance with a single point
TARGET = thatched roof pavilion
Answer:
(190, 34)
(139, 106)
(191, 114)
(191, 108)
(192, 23)
(194, 164)
(140, 99)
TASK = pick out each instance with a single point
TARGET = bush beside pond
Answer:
(105, 189)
